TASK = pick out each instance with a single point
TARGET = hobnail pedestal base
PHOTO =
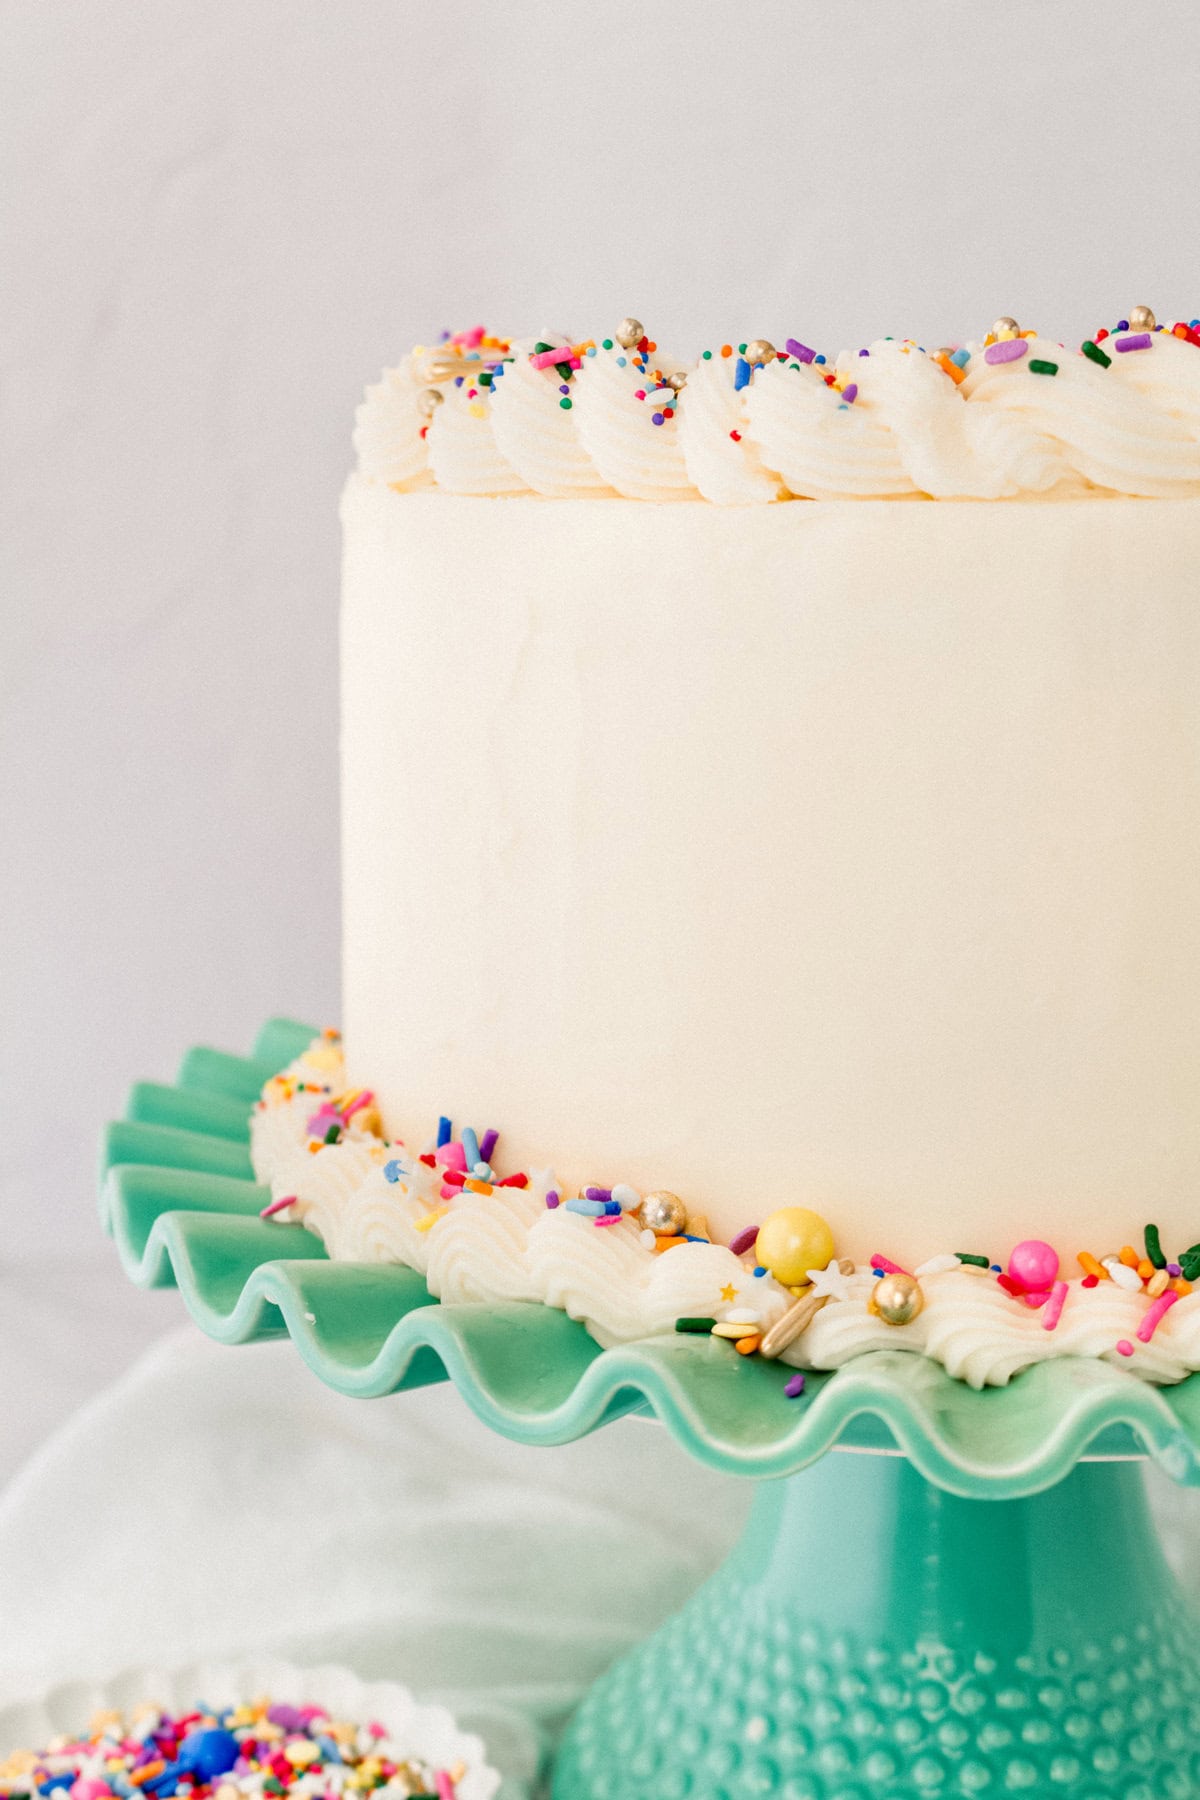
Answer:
(873, 1636)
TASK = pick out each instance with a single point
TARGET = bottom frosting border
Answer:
(778, 1289)
(179, 1197)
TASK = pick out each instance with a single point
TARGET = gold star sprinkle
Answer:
(729, 1292)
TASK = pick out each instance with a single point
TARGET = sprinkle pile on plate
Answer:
(235, 1753)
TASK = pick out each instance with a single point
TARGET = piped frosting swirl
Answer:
(1009, 416)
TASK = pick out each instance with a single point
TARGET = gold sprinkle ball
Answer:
(1005, 327)
(663, 1213)
(630, 333)
(760, 350)
(792, 1241)
(1141, 319)
(897, 1298)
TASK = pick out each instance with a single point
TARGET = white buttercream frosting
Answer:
(389, 434)
(535, 432)
(617, 404)
(464, 456)
(890, 421)
(372, 1202)
(722, 463)
(1100, 423)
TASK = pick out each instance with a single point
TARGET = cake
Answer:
(771, 791)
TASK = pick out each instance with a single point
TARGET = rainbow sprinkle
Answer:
(1006, 351)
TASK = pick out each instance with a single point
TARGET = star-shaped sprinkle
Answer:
(729, 1292)
(829, 1283)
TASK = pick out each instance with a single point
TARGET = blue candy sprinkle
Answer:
(208, 1753)
(741, 375)
(443, 1136)
(393, 1170)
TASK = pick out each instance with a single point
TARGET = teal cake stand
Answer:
(975, 1604)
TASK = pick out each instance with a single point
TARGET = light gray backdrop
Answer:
(221, 219)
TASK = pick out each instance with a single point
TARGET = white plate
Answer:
(427, 1732)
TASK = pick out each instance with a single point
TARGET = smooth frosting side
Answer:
(371, 1202)
(845, 857)
(889, 421)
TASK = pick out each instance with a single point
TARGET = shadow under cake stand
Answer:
(976, 1604)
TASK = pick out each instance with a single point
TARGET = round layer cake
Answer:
(772, 799)
(841, 855)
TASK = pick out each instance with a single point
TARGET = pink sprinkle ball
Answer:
(1034, 1264)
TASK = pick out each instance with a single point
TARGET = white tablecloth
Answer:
(222, 1503)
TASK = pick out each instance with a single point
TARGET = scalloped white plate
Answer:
(425, 1731)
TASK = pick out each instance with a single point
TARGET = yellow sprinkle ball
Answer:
(791, 1242)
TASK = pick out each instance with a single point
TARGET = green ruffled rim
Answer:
(178, 1195)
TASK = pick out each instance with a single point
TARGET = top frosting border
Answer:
(1011, 415)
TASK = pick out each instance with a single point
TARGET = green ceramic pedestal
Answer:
(985, 1614)
(873, 1636)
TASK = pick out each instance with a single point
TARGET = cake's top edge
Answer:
(1013, 414)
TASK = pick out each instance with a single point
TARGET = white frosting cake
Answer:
(815, 855)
